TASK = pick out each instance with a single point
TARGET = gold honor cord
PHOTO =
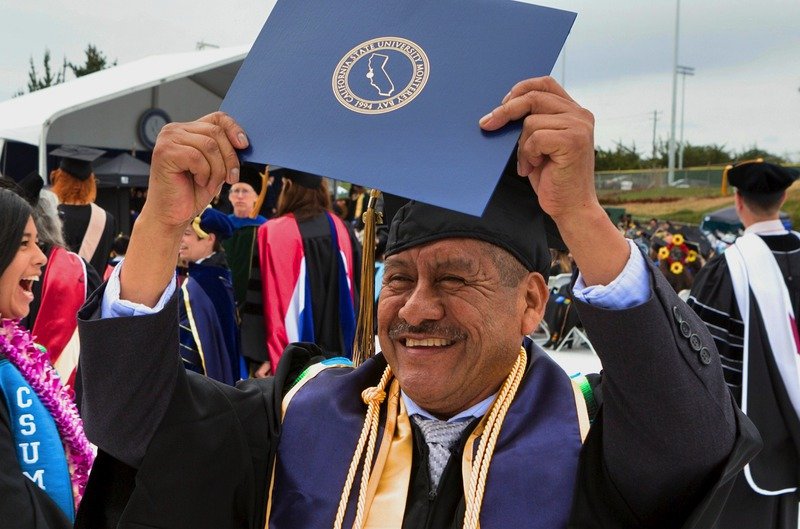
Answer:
(480, 465)
(364, 341)
(373, 397)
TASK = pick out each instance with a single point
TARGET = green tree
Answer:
(95, 61)
(48, 78)
(693, 155)
(754, 152)
(620, 158)
(701, 155)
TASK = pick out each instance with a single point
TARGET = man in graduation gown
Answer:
(246, 196)
(459, 294)
(749, 297)
(209, 338)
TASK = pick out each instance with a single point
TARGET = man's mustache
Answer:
(402, 328)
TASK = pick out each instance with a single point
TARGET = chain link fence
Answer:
(655, 178)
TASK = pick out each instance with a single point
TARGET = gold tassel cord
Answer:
(373, 397)
(491, 432)
(364, 341)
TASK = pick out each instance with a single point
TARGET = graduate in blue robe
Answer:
(209, 337)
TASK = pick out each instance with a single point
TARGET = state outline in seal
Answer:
(371, 74)
(393, 98)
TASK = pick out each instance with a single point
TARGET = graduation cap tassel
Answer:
(262, 193)
(364, 342)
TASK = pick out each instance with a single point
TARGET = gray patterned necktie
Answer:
(441, 437)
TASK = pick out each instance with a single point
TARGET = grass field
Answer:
(684, 204)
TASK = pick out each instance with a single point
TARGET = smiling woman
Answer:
(44, 455)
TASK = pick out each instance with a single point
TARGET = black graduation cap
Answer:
(512, 220)
(761, 178)
(31, 185)
(254, 175)
(308, 180)
(77, 160)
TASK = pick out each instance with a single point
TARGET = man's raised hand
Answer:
(556, 153)
(556, 148)
(190, 163)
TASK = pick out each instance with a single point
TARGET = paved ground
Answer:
(579, 360)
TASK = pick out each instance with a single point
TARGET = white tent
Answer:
(103, 109)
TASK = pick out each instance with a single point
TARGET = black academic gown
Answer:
(714, 301)
(323, 278)
(661, 452)
(23, 505)
(76, 220)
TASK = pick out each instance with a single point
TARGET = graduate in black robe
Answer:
(89, 230)
(666, 440)
(305, 248)
(776, 470)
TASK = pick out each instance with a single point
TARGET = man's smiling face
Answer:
(450, 324)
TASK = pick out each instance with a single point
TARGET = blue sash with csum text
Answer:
(39, 449)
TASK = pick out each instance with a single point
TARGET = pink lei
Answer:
(17, 345)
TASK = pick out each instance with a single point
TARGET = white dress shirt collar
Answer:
(478, 410)
(767, 227)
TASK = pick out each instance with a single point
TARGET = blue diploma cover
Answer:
(389, 94)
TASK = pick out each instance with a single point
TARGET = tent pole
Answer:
(43, 153)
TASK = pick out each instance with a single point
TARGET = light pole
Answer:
(684, 71)
(671, 171)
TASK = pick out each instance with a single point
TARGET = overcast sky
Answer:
(618, 57)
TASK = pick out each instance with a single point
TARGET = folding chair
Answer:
(575, 336)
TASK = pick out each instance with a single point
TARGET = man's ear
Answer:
(536, 295)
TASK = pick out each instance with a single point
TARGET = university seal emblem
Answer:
(381, 75)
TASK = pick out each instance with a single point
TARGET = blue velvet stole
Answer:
(347, 317)
(39, 449)
(239, 222)
(532, 474)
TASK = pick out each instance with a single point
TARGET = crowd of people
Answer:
(212, 361)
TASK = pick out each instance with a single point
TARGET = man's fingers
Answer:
(536, 122)
(237, 138)
(234, 132)
(538, 84)
(542, 144)
(187, 159)
(218, 146)
(527, 103)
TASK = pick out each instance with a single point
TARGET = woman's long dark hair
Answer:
(303, 202)
(14, 212)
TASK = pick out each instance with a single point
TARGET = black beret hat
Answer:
(759, 178)
(77, 160)
(307, 180)
(512, 220)
(30, 187)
